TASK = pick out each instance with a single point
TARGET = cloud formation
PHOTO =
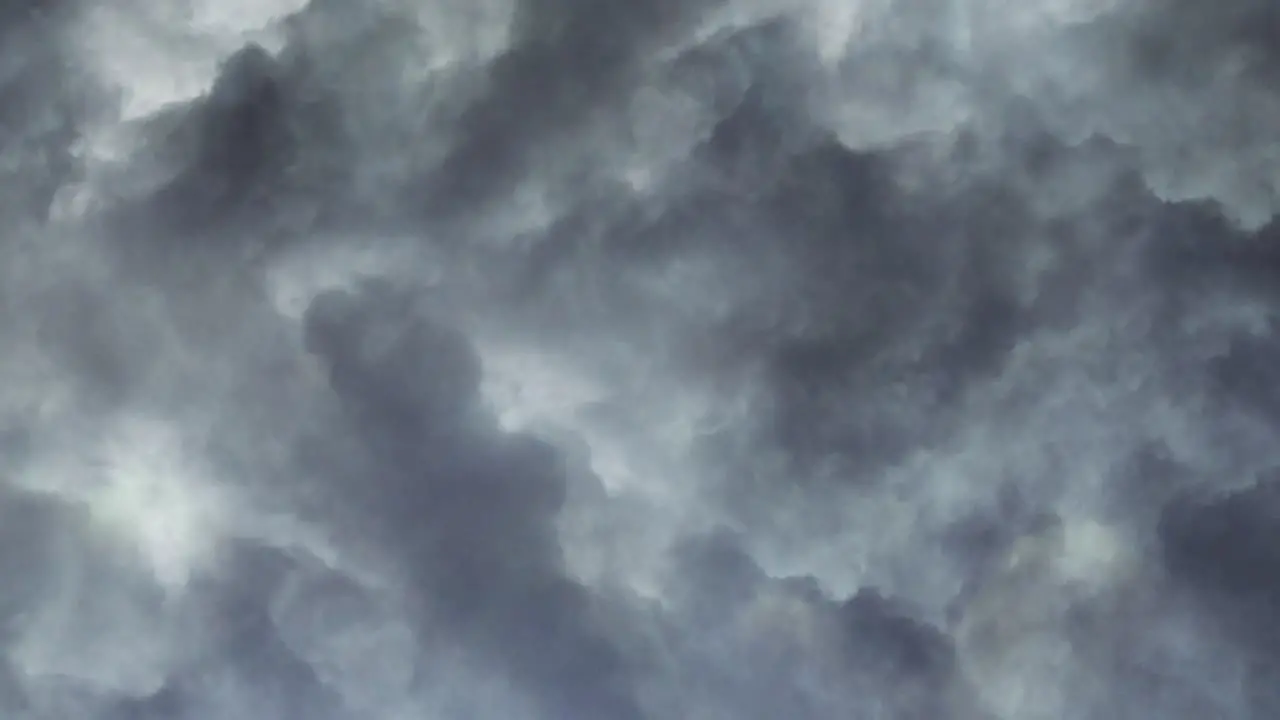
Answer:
(625, 360)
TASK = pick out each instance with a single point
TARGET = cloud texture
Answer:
(639, 359)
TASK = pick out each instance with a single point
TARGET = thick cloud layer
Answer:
(631, 360)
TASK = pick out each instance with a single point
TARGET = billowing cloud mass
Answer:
(639, 360)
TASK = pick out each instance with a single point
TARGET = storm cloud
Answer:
(630, 360)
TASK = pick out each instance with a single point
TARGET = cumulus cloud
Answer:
(556, 359)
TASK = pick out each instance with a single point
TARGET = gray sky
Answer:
(639, 360)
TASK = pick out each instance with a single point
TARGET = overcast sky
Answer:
(639, 360)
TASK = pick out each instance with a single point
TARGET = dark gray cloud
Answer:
(42, 106)
(546, 359)
(469, 508)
